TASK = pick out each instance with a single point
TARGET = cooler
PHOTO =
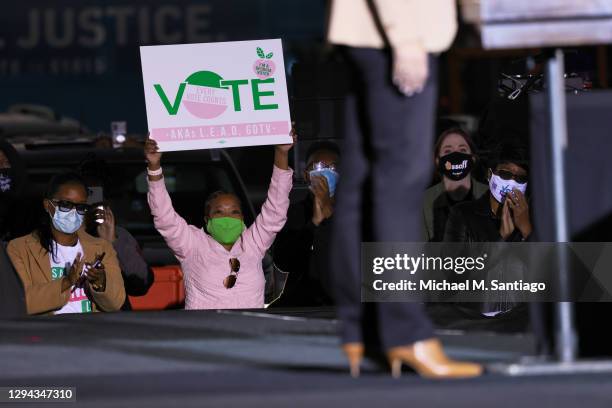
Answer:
(167, 291)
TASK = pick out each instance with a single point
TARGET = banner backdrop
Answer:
(214, 95)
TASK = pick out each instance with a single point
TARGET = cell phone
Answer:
(119, 131)
(98, 260)
(95, 195)
(99, 214)
(83, 277)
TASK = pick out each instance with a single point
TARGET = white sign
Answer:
(216, 95)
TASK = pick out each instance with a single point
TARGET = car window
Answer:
(188, 184)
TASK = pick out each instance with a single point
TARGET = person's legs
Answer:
(400, 131)
(401, 136)
(347, 222)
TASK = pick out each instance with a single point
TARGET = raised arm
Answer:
(273, 213)
(171, 226)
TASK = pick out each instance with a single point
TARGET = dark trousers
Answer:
(386, 165)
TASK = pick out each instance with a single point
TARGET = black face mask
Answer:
(456, 165)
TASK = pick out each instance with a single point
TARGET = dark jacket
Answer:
(437, 205)
(302, 249)
(473, 221)
(137, 276)
(18, 216)
(12, 296)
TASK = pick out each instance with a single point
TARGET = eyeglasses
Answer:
(508, 175)
(67, 206)
(230, 280)
(320, 165)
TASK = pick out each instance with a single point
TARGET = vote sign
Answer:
(215, 95)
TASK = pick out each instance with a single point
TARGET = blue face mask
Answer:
(67, 222)
(330, 175)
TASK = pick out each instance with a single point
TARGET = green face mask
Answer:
(225, 230)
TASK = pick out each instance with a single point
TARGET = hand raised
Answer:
(286, 147)
(323, 207)
(507, 225)
(519, 209)
(152, 154)
(107, 230)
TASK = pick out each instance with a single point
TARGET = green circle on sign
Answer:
(205, 78)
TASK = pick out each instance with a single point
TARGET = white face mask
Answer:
(500, 187)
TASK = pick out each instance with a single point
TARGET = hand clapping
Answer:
(323, 207)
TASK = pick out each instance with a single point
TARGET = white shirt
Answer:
(64, 257)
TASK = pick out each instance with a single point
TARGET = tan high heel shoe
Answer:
(428, 359)
(354, 354)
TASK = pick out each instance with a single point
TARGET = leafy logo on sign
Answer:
(264, 67)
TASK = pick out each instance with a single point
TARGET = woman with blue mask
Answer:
(303, 246)
(322, 178)
(59, 264)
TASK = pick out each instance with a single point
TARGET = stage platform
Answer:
(254, 358)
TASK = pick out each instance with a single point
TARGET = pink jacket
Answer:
(205, 262)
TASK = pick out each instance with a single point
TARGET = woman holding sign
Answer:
(222, 263)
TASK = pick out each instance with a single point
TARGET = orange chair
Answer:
(167, 291)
